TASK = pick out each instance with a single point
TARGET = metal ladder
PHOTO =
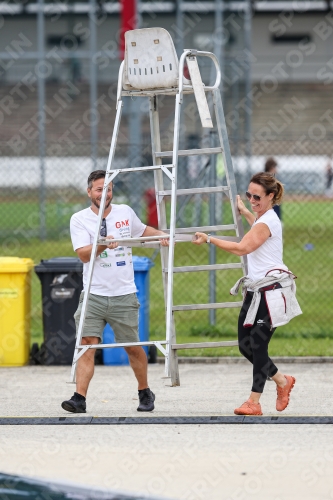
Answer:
(150, 63)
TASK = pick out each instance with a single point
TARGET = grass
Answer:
(304, 222)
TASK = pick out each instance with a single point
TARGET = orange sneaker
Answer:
(249, 408)
(283, 393)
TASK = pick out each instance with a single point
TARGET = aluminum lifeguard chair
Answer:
(151, 68)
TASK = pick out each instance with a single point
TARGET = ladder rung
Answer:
(143, 239)
(144, 244)
(218, 305)
(187, 89)
(188, 237)
(181, 192)
(212, 267)
(189, 152)
(228, 238)
(156, 244)
(184, 237)
(140, 169)
(124, 344)
(204, 229)
(203, 345)
(150, 93)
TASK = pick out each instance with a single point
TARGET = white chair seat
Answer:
(151, 60)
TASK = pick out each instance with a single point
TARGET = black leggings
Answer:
(253, 342)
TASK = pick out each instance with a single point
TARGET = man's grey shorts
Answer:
(121, 312)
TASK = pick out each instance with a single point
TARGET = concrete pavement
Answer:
(232, 462)
(206, 389)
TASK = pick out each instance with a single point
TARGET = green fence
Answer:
(35, 223)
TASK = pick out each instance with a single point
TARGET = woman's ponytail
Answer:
(270, 185)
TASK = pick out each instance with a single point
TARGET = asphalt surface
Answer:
(180, 461)
(206, 389)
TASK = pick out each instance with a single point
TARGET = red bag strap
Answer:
(282, 271)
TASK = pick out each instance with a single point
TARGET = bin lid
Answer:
(142, 263)
(15, 265)
(60, 265)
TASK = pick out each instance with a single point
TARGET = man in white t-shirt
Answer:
(112, 297)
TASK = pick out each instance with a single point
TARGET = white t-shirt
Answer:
(269, 255)
(113, 271)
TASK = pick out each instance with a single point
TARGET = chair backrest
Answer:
(150, 60)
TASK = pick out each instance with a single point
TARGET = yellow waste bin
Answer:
(15, 310)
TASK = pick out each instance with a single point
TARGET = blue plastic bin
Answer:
(118, 356)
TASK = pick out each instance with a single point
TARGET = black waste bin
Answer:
(61, 280)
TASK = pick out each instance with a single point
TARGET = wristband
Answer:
(208, 239)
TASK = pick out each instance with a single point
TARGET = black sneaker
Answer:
(147, 398)
(77, 404)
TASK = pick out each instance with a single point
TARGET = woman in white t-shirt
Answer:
(264, 247)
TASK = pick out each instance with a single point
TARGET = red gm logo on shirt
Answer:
(122, 223)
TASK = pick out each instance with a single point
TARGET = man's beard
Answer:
(97, 203)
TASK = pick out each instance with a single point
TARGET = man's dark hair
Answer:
(94, 176)
(270, 164)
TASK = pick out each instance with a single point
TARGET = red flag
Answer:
(128, 16)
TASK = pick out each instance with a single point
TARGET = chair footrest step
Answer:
(140, 169)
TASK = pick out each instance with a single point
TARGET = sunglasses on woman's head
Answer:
(256, 197)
